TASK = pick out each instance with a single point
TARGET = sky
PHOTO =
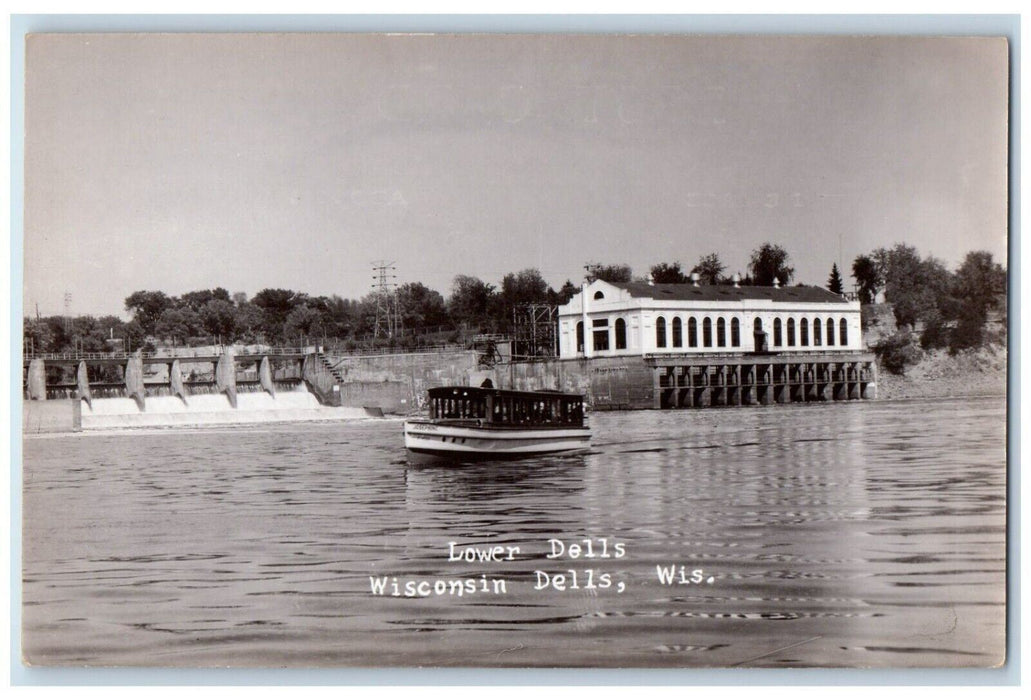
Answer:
(178, 162)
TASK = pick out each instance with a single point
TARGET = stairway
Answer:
(337, 375)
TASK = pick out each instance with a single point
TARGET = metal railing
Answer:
(173, 353)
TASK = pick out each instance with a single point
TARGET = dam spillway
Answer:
(211, 409)
(154, 391)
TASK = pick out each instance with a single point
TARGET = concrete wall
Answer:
(56, 416)
(607, 382)
(398, 383)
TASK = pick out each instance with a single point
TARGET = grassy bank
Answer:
(938, 374)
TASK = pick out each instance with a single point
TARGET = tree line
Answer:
(951, 306)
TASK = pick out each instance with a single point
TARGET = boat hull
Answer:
(429, 441)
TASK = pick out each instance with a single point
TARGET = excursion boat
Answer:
(468, 423)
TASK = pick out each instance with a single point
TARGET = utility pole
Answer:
(387, 316)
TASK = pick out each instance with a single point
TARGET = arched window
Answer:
(721, 333)
(735, 333)
(620, 334)
(707, 332)
(660, 332)
(579, 336)
(777, 339)
(791, 332)
(803, 331)
(692, 332)
(757, 326)
(843, 332)
(600, 341)
(599, 295)
(830, 332)
(817, 332)
(678, 332)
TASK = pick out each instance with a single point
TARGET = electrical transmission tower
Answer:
(67, 310)
(388, 320)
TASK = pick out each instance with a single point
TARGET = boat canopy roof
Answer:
(445, 392)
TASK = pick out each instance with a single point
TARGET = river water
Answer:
(848, 534)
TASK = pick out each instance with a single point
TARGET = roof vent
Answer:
(776, 283)
(694, 278)
(737, 280)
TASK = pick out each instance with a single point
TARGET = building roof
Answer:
(689, 292)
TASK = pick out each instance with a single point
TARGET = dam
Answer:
(287, 384)
(188, 388)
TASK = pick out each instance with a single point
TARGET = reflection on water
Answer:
(855, 534)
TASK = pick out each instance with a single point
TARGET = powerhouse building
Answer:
(611, 319)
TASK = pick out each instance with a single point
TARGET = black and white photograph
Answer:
(514, 350)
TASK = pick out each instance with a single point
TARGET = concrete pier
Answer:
(36, 381)
(697, 382)
(225, 376)
(175, 381)
(134, 380)
(82, 382)
(265, 377)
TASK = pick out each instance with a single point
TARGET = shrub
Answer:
(896, 352)
(936, 333)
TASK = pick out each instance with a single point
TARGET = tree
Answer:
(248, 321)
(146, 307)
(178, 325)
(981, 282)
(470, 300)
(770, 262)
(916, 288)
(38, 336)
(524, 287)
(609, 273)
(196, 300)
(339, 316)
(276, 305)
(709, 269)
(668, 273)
(303, 320)
(566, 293)
(834, 282)
(420, 306)
(218, 317)
(868, 278)
(135, 336)
(979, 286)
